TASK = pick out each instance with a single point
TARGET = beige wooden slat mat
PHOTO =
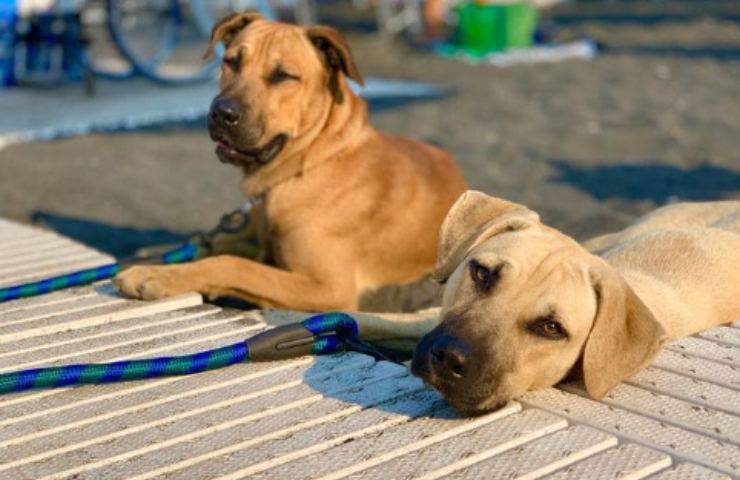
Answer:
(343, 416)
(28, 254)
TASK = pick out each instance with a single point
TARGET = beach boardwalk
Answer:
(343, 416)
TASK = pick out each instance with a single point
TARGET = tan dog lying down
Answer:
(340, 208)
(525, 305)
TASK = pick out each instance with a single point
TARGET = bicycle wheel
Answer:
(101, 56)
(161, 39)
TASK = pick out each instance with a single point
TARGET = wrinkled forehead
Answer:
(270, 43)
(548, 270)
(523, 249)
(537, 258)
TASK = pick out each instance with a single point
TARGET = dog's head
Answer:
(523, 305)
(278, 83)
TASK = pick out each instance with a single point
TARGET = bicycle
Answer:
(161, 40)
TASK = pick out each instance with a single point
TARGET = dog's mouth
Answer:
(250, 158)
(466, 402)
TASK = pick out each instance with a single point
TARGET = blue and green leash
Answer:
(185, 253)
(321, 334)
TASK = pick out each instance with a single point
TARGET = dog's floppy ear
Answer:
(474, 218)
(624, 338)
(336, 54)
(228, 28)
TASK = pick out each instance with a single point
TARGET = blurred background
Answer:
(589, 112)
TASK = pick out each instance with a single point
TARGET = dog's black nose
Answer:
(449, 357)
(225, 110)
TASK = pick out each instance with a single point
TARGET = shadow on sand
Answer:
(720, 53)
(118, 241)
(649, 181)
(646, 19)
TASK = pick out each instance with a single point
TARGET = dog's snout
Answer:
(226, 110)
(449, 357)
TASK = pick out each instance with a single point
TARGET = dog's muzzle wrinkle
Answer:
(236, 144)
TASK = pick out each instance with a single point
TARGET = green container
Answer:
(487, 28)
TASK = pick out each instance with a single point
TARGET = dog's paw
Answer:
(151, 283)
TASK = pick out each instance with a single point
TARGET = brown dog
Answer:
(340, 208)
(525, 305)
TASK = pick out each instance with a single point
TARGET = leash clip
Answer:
(280, 343)
(321, 334)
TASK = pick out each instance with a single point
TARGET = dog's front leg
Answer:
(229, 276)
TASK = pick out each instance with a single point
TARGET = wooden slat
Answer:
(700, 368)
(31, 257)
(681, 444)
(34, 244)
(49, 344)
(728, 335)
(689, 416)
(52, 270)
(715, 351)
(536, 458)
(56, 298)
(687, 388)
(626, 462)
(62, 259)
(93, 317)
(689, 471)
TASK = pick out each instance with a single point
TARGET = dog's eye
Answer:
(279, 75)
(482, 276)
(548, 327)
(233, 63)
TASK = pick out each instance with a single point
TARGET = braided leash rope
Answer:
(184, 253)
(99, 373)
(317, 335)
